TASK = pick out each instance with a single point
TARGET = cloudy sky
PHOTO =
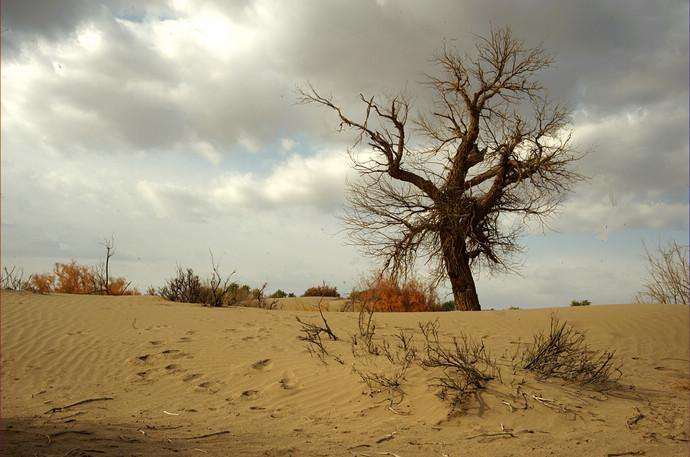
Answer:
(174, 126)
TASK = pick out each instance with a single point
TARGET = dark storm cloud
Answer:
(100, 86)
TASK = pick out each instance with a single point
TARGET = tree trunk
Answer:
(458, 268)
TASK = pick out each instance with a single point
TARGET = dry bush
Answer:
(40, 283)
(466, 366)
(580, 303)
(185, 286)
(402, 352)
(562, 353)
(389, 384)
(120, 286)
(311, 334)
(669, 275)
(72, 278)
(386, 294)
(324, 290)
(366, 329)
(12, 278)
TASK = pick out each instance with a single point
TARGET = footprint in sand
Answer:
(263, 364)
(191, 377)
(173, 368)
(288, 381)
(175, 354)
(155, 343)
(140, 359)
(184, 339)
(208, 386)
(250, 394)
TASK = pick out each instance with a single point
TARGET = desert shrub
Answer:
(562, 353)
(40, 283)
(514, 308)
(580, 303)
(12, 279)
(324, 290)
(466, 365)
(669, 275)
(291, 295)
(386, 294)
(184, 286)
(279, 294)
(120, 286)
(448, 306)
(72, 278)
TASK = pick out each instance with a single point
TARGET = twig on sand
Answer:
(50, 436)
(82, 450)
(399, 413)
(618, 454)
(208, 435)
(71, 405)
(508, 434)
(634, 419)
(388, 437)
(170, 414)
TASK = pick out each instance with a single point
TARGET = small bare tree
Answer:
(494, 145)
(669, 275)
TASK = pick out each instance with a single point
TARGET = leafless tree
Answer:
(109, 246)
(669, 275)
(435, 187)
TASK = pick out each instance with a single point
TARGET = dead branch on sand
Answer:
(82, 402)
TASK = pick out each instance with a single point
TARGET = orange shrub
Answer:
(120, 286)
(40, 283)
(324, 290)
(385, 294)
(72, 278)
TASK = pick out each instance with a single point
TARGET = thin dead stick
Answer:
(635, 419)
(50, 436)
(170, 414)
(399, 413)
(508, 405)
(82, 402)
(208, 435)
(388, 437)
(618, 454)
(509, 434)
(83, 450)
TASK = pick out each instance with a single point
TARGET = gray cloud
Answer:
(187, 112)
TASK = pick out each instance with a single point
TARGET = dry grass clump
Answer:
(562, 353)
(387, 294)
(669, 275)
(323, 290)
(466, 366)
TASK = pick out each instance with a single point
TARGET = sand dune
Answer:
(179, 379)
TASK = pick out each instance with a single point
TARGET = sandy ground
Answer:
(179, 379)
